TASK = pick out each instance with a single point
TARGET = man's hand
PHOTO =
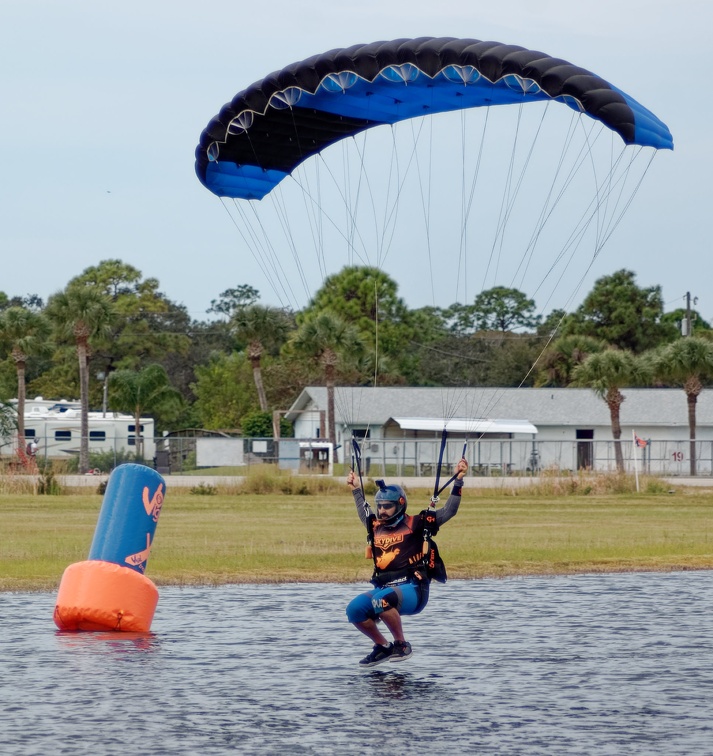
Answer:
(461, 468)
(352, 481)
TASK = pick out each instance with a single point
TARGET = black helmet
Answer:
(394, 494)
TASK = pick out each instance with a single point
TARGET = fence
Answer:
(417, 458)
(105, 452)
(406, 457)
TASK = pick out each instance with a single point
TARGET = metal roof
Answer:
(361, 406)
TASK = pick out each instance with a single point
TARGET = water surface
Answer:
(592, 664)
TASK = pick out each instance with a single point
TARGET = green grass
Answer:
(275, 537)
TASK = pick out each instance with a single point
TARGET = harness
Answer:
(429, 567)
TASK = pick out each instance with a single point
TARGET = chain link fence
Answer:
(419, 458)
(384, 457)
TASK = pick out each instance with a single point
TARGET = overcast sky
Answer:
(102, 105)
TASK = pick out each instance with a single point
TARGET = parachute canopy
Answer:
(274, 125)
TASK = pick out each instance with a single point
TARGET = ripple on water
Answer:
(592, 664)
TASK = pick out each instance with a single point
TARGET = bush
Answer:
(555, 482)
(369, 487)
(47, 484)
(105, 461)
(190, 462)
(203, 489)
(258, 424)
(267, 479)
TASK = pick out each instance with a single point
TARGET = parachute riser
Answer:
(428, 530)
(368, 514)
(430, 516)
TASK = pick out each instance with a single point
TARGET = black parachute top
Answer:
(268, 129)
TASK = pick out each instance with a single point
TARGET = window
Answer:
(97, 435)
(62, 435)
(30, 433)
(132, 429)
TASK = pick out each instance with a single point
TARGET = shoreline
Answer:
(37, 586)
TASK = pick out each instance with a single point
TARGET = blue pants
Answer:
(406, 599)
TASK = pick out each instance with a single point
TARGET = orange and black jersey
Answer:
(399, 547)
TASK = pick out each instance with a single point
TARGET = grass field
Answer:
(221, 538)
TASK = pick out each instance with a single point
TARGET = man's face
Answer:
(385, 509)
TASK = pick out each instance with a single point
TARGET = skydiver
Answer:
(402, 571)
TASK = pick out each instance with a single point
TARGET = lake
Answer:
(590, 664)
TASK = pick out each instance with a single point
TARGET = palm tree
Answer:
(687, 363)
(607, 373)
(264, 328)
(81, 313)
(557, 364)
(326, 338)
(24, 333)
(139, 392)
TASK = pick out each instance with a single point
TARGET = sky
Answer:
(103, 105)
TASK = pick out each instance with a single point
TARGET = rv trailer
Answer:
(55, 426)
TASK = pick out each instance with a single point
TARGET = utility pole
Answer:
(688, 326)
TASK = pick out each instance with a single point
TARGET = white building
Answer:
(511, 429)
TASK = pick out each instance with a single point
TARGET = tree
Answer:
(688, 363)
(552, 325)
(677, 317)
(224, 390)
(607, 373)
(81, 313)
(113, 277)
(367, 298)
(142, 332)
(561, 358)
(512, 361)
(498, 309)
(232, 300)
(263, 328)
(260, 425)
(504, 309)
(29, 302)
(204, 338)
(622, 314)
(326, 338)
(143, 391)
(24, 333)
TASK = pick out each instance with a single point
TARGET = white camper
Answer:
(55, 427)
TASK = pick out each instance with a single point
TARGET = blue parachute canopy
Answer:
(267, 130)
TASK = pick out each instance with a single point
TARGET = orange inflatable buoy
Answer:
(109, 590)
(97, 595)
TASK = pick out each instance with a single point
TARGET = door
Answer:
(585, 449)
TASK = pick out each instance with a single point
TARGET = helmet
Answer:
(394, 494)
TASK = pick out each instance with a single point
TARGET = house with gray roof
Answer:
(509, 429)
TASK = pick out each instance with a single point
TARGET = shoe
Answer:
(379, 655)
(401, 651)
